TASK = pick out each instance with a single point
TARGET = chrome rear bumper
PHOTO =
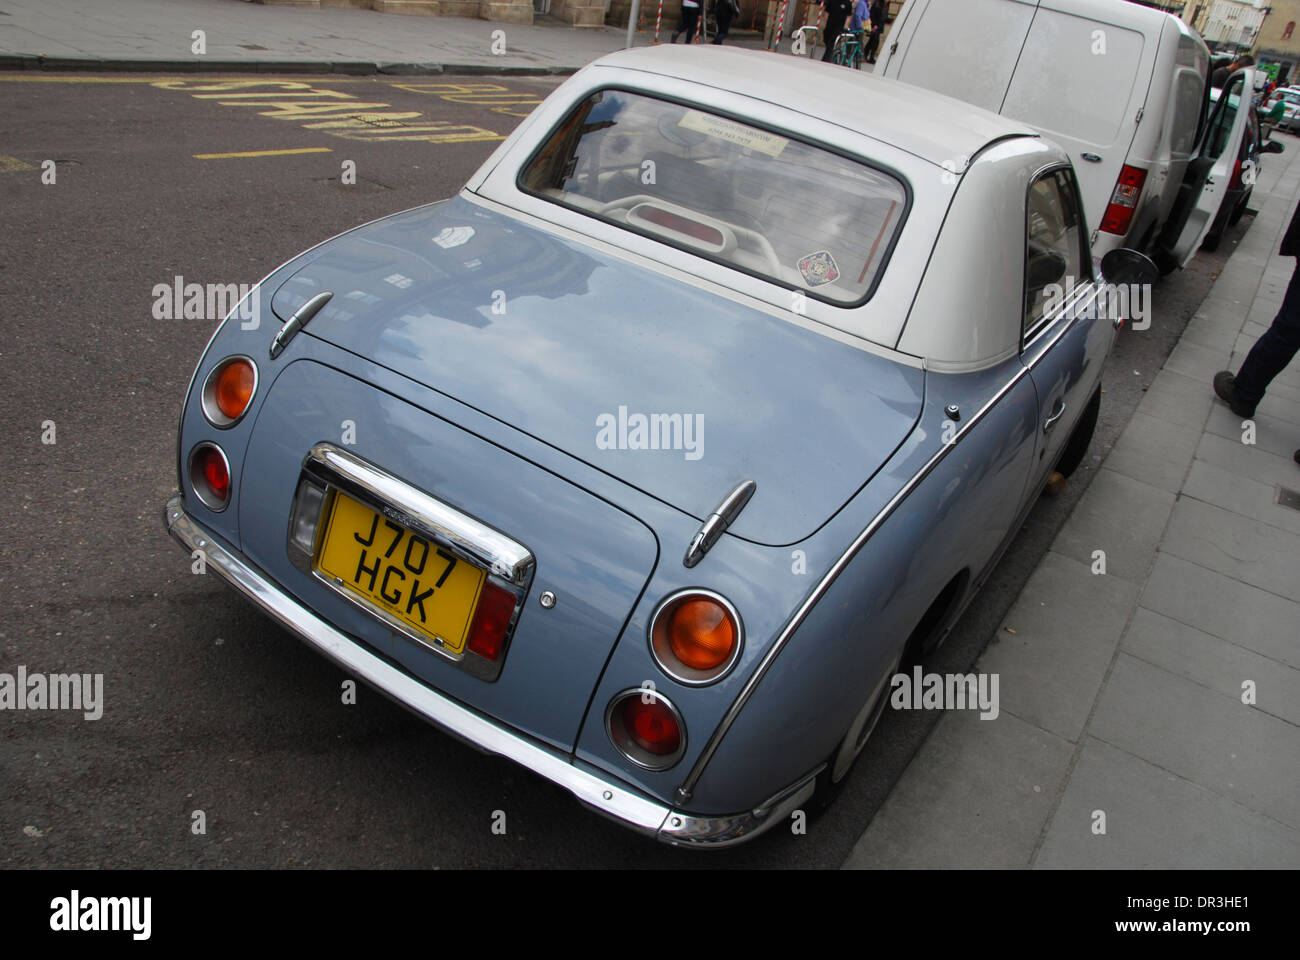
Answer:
(601, 793)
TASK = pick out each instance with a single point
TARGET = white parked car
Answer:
(1290, 97)
(1122, 87)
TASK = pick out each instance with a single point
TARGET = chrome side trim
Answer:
(604, 794)
(723, 516)
(688, 785)
(301, 317)
(498, 553)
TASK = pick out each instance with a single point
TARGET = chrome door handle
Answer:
(1051, 421)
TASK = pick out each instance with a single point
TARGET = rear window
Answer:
(780, 209)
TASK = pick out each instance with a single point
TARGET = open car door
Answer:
(1210, 171)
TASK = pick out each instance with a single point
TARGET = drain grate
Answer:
(1288, 498)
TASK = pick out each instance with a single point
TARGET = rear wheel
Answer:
(1077, 446)
(1239, 210)
(925, 638)
(831, 780)
(1164, 261)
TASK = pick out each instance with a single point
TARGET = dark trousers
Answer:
(832, 31)
(873, 41)
(723, 14)
(690, 19)
(1274, 350)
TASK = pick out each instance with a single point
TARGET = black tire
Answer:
(1164, 261)
(1077, 446)
(1239, 210)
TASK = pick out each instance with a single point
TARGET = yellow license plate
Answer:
(421, 584)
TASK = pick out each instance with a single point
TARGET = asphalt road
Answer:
(209, 706)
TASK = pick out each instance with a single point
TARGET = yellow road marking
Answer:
(260, 153)
(13, 164)
(162, 79)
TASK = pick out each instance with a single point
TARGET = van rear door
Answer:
(1082, 82)
(965, 49)
(1210, 171)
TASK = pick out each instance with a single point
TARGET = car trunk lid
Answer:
(678, 390)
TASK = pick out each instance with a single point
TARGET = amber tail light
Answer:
(228, 391)
(695, 636)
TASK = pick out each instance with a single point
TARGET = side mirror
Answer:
(1272, 147)
(1128, 267)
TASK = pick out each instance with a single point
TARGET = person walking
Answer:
(837, 12)
(689, 21)
(1220, 76)
(877, 28)
(1274, 350)
(724, 11)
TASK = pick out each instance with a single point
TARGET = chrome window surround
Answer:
(599, 791)
(208, 398)
(197, 486)
(662, 652)
(1030, 332)
(506, 562)
(623, 740)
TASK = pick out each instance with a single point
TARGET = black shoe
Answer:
(1297, 456)
(1225, 386)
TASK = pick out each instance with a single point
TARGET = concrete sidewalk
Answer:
(245, 37)
(1122, 694)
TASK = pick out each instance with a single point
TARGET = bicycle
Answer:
(848, 49)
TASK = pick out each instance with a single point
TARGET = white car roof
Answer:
(929, 125)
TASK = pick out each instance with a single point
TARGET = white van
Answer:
(1122, 87)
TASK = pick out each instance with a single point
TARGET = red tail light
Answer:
(1123, 200)
(210, 476)
(487, 634)
(1235, 182)
(646, 728)
(652, 726)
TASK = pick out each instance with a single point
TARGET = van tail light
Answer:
(1123, 200)
(1235, 182)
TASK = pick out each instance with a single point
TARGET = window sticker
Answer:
(722, 129)
(819, 268)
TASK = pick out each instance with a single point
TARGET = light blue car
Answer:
(645, 460)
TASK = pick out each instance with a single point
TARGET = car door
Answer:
(1065, 337)
(1210, 172)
